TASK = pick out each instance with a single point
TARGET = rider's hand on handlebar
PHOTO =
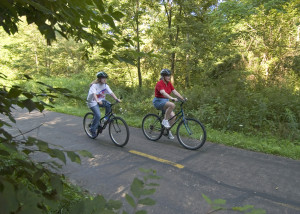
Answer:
(118, 100)
(174, 99)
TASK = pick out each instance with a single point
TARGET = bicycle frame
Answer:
(110, 114)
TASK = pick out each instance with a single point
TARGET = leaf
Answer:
(109, 20)
(29, 104)
(153, 184)
(43, 146)
(146, 201)
(137, 187)
(125, 59)
(57, 184)
(154, 177)
(99, 5)
(219, 201)
(100, 202)
(74, 157)
(244, 208)
(78, 208)
(12, 119)
(141, 212)
(113, 204)
(28, 95)
(39, 106)
(27, 77)
(41, 185)
(39, 7)
(85, 153)
(37, 175)
(58, 154)
(148, 191)
(14, 92)
(207, 199)
(63, 90)
(108, 44)
(130, 200)
(117, 15)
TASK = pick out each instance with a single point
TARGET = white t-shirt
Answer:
(100, 91)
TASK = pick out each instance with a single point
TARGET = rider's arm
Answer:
(177, 94)
(115, 97)
(166, 95)
(96, 98)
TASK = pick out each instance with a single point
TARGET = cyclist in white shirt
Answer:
(96, 99)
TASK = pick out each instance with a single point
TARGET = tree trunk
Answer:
(138, 43)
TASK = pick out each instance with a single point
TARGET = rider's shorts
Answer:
(159, 103)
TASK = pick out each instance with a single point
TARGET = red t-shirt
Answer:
(160, 85)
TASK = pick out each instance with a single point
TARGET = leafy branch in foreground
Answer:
(26, 186)
(220, 205)
(141, 189)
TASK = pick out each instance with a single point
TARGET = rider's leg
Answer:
(173, 119)
(96, 119)
(107, 107)
(169, 107)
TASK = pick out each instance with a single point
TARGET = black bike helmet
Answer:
(165, 72)
(102, 74)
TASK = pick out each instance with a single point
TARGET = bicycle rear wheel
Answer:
(152, 127)
(87, 122)
(118, 131)
(191, 134)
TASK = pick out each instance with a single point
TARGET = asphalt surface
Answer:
(238, 176)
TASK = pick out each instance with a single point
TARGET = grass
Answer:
(268, 145)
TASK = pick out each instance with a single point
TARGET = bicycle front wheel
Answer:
(152, 127)
(87, 122)
(118, 131)
(191, 134)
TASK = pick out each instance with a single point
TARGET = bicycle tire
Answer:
(117, 128)
(152, 127)
(87, 121)
(191, 134)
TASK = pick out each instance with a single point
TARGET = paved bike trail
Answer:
(238, 176)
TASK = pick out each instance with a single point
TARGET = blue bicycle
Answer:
(191, 134)
(117, 127)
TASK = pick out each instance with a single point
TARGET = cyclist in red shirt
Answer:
(161, 101)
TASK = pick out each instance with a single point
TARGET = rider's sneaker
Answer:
(170, 136)
(165, 123)
(93, 134)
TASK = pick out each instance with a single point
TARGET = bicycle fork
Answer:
(186, 125)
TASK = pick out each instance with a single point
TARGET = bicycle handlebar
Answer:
(179, 100)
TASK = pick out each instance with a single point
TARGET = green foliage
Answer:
(220, 205)
(67, 17)
(24, 185)
(140, 190)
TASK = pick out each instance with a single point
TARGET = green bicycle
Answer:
(191, 134)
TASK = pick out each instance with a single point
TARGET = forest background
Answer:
(237, 62)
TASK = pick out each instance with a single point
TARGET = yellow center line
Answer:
(157, 159)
